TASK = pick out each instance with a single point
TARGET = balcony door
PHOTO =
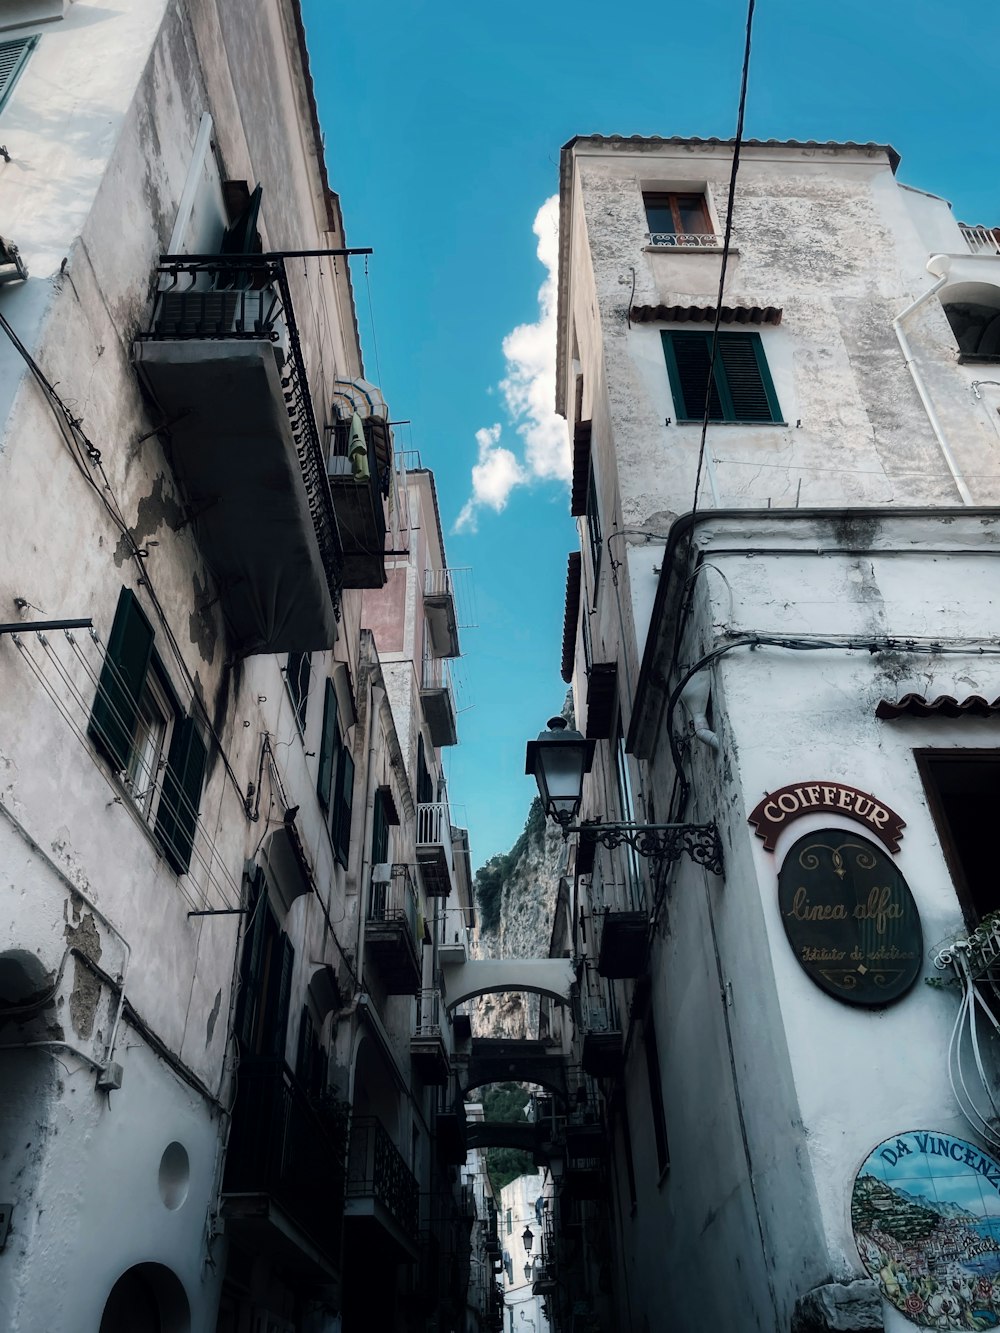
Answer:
(265, 979)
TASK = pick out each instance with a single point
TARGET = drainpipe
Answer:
(939, 266)
(695, 696)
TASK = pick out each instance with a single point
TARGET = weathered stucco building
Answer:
(805, 667)
(225, 852)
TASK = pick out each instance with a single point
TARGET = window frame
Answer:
(655, 198)
(594, 530)
(720, 378)
(298, 673)
(8, 85)
(926, 757)
(133, 675)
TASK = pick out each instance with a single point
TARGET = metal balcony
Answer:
(360, 487)
(383, 1196)
(440, 613)
(623, 947)
(284, 1179)
(981, 240)
(685, 240)
(429, 1046)
(434, 848)
(453, 934)
(450, 1128)
(222, 359)
(602, 1055)
(391, 929)
(438, 699)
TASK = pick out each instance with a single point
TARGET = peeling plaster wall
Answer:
(101, 130)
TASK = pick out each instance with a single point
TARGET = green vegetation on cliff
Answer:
(490, 878)
(506, 1102)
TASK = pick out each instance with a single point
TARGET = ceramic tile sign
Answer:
(850, 917)
(926, 1217)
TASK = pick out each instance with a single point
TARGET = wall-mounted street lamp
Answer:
(558, 761)
(527, 1239)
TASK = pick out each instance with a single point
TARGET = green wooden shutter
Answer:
(13, 58)
(114, 718)
(177, 814)
(688, 357)
(380, 831)
(342, 806)
(250, 965)
(747, 378)
(327, 746)
(279, 1026)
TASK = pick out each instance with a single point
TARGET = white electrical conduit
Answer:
(939, 266)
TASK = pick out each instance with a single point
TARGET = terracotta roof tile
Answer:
(945, 705)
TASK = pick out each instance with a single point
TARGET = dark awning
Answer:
(945, 705)
(571, 615)
(581, 469)
(705, 314)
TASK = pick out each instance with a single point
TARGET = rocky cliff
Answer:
(516, 895)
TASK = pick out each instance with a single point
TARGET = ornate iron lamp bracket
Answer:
(659, 842)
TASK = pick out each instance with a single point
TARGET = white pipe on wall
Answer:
(939, 266)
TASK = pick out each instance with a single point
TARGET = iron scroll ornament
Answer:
(660, 842)
(850, 918)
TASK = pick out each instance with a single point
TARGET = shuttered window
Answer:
(340, 815)
(741, 388)
(265, 979)
(328, 745)
(135, 718)
(13, 58)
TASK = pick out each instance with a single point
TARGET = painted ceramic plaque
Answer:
(850, 917)
(926, 1218)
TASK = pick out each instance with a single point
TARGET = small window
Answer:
(742, 389)
(963, 789)
(510, 1222)
(297, 673)
(677, 219)
(13, 58)
(138, 725)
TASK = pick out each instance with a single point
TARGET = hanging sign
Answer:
(850, 917)
(926, 1217)
(777, 810)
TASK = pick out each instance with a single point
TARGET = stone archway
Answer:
(147, 1298)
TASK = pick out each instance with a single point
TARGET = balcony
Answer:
(391, 929)
(359, 472)
(439, 610)
(222, 360)
(434, 848)
(453, 934)
(623, 945)
(602, 1055)
(12, 267)
(438, 699)
(981, 240)
(284, 1179)
(586, 1156)
(450, 1131)
(429, 1050)
(382, 1192)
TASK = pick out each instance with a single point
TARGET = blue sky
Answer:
(443, 126)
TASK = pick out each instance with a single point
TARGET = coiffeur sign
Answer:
(777, 810)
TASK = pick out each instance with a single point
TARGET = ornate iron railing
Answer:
(434, 824)
(685, 240)
(376, 1170)
(973, 1052)
(981, 240)
(394, 899)
(428, 1022)
(285, 1147)
(246, 297)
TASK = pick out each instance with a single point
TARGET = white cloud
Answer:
(528, 389)
(494, 476)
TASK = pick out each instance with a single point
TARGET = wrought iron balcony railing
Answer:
(981, 240)
(395, 898)
(283, 1146)
(376, 1170)
(246, 297)
(685, 240)
(429, 1009)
